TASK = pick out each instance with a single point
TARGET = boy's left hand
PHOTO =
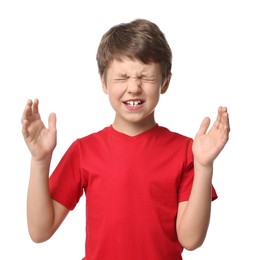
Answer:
(207, 145)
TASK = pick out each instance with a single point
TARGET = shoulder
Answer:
(93, 138)
(169, 135)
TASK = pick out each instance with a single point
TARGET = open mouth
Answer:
(133, 103)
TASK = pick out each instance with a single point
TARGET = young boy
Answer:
(148, 190)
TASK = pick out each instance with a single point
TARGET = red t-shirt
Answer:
(133, 186)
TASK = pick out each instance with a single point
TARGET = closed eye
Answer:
(144, 79)
(121, 78)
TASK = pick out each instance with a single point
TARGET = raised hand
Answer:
(40, 140)
(207, 145)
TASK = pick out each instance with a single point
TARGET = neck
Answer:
(134, 128)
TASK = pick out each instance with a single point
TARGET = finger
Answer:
(52, 122)
(203, 127)
(225, 121)
(24, 130)
(218, 119)
(36, 106)
(27, 110)
(222, 117)
(224, 114)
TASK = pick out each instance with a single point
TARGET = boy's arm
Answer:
(44, 215)
(194, 215)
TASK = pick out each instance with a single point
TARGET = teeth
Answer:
(133, 103)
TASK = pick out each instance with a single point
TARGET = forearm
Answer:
(40, 210)
(194, 222)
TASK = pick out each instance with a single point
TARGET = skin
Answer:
(127, 82)
(131, 81)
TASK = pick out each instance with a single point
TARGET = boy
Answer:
(148, 190)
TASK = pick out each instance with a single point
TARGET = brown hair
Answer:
(139, 39)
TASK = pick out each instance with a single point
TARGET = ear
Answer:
(165, 84)
(103, 84)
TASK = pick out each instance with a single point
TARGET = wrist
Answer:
(41, 162)
(205, 169)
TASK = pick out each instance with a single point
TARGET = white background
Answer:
(47, 50)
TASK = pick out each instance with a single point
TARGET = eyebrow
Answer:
(121, 75)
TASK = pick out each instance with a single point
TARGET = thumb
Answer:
(52, 122)
(203, 127)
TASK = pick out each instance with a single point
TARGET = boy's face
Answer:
(134, 90)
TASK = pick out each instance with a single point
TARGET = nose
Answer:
(134, 85)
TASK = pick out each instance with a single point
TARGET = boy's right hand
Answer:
(41, 141)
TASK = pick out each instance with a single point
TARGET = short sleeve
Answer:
(65, 183)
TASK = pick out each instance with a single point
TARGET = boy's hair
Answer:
(139, 39)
